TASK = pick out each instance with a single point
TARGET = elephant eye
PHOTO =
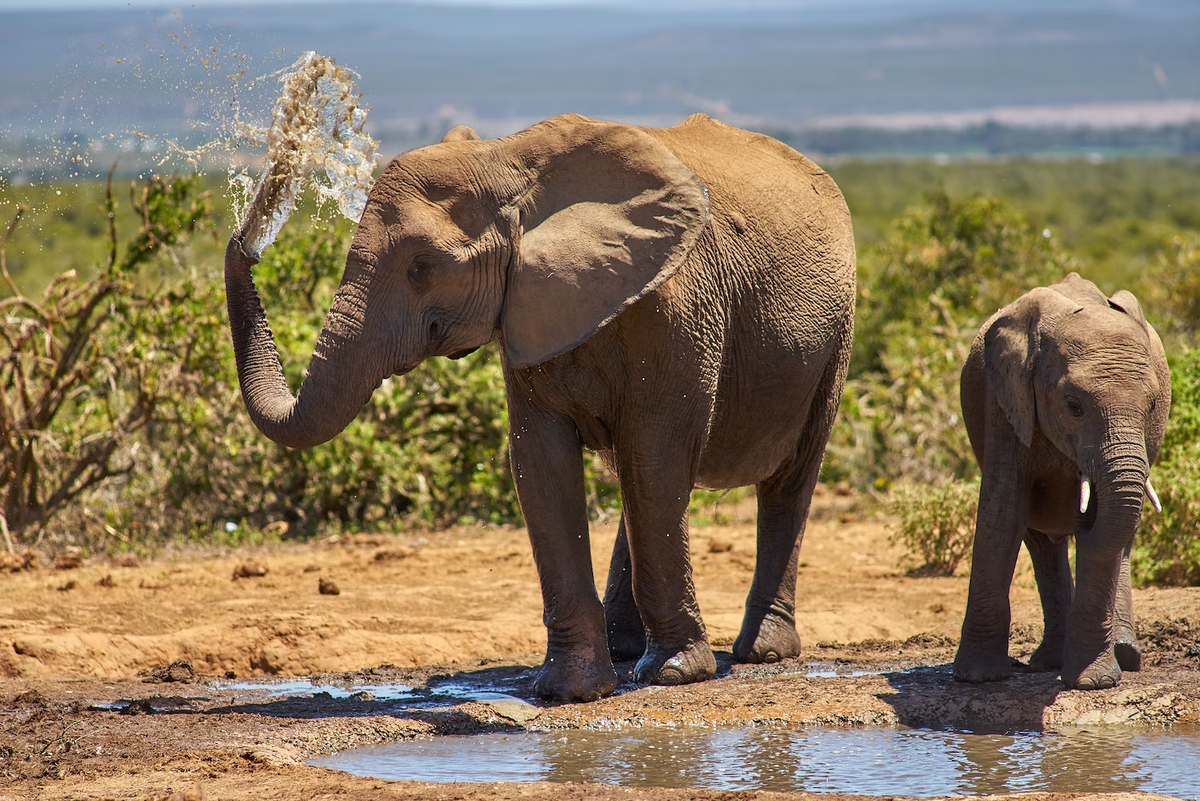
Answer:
(422, 267)
(1074, 407)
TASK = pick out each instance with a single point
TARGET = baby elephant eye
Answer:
(1075, 407)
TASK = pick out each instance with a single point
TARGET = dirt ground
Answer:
(121, 681)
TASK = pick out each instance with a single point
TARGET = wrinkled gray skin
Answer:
(1061, 385)
(680, 300)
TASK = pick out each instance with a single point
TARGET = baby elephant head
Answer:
(1089, 374)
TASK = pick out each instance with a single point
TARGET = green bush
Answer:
(1166, 551)
(943, 269)
(937, 524)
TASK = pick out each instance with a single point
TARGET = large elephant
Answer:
(680, 300)
(1065, 396)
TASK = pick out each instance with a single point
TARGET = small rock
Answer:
(313, 569)
(107, 581)
(328, 587)
(231, 674)
(249, 570)
(391, 556)
(180, 670)
(68, 561)
(193, 794)
(842, 488)
(126, 560)
(70, 585)
(138, 707)
(719, 546)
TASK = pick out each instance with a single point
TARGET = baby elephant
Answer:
(1065, 396)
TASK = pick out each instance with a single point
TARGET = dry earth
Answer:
(96, 703)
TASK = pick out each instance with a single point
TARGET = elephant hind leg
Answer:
(623, 622)
(769, 628)
(1052, 570)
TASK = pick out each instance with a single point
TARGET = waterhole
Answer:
(917, 762)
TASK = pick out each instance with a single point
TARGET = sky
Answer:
(21, 5)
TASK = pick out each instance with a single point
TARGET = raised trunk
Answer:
(341, 376)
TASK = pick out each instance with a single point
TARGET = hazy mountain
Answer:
(766, 63)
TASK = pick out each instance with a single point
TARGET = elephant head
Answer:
(1088, 373)
(539, 239)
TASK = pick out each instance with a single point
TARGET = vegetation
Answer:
(123, 427)
(937, 524)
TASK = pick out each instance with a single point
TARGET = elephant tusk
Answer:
(1085, 494)
(1153, 496)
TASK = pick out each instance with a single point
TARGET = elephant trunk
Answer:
(339, 379)
(1120, 476)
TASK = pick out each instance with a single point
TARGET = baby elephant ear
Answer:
(1125, 301)
(611, 215)
(1009, 347)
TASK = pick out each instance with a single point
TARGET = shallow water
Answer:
(916, 762)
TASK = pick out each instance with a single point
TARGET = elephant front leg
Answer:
(626, 633)
(1052, 569)
(983, 648)
(1125, 643)
(547, 464)
(656, 503)
(1090, 660)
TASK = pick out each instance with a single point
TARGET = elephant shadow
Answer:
(928, 697)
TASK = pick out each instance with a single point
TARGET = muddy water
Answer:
(916, 762)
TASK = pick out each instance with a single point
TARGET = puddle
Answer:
(917, 762)
(303, 688)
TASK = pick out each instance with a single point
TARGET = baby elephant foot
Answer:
(774, 640)
(979, 662)
(663, 665)
(567, 677)
(1101, 673)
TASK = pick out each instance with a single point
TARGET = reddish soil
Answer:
(96, 701)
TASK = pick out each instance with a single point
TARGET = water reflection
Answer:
(855, 761)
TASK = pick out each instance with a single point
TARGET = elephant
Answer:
(1065, 396)
(679, 300)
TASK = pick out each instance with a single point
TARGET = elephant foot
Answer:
(626, 634)
(976, 663)
(1129, 654)
(1048, 658)
(664, 665)
(567, 677)
(1101, 673)
(773, 640)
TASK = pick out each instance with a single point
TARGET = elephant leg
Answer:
(655, 495)
(547, 461)
(999, 528)
(626, 634)
(1089, 661)
(1052, 569)
(1128, 652)
(769, 627)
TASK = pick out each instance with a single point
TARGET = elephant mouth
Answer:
(462, 353)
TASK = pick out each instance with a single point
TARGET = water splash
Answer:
(317, 123)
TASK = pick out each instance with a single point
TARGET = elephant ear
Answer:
(1011, 347)
(1124, 301)
(609, 215)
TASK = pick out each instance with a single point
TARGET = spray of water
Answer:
(317, 124)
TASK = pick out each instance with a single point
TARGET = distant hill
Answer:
(83, 76)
